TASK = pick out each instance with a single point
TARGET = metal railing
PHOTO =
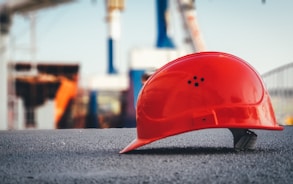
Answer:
(279, 83)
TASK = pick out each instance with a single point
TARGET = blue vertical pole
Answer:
(163, 40)
(114, 8)
(92, 120)
(111, 69)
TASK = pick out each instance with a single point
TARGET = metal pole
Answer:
(5, 21)
(114, 7)
(163, 39)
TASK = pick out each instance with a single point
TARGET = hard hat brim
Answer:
(136, 143)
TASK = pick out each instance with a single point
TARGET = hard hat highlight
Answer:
(198, 91)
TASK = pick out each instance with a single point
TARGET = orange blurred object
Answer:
(66, 92)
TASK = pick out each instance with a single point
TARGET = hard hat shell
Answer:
(198, 91)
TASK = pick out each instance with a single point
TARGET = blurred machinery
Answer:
(53, 81)
(7, 9)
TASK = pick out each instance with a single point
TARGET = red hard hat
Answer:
(198, 91)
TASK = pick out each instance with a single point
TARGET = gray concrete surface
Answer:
(91, 156)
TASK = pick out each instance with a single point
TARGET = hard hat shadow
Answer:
(196, 151)
(184, 151)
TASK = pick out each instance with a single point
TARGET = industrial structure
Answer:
(7, 10)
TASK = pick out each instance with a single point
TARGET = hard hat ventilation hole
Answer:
(196, 82)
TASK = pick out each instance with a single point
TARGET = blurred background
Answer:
(80, 64)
